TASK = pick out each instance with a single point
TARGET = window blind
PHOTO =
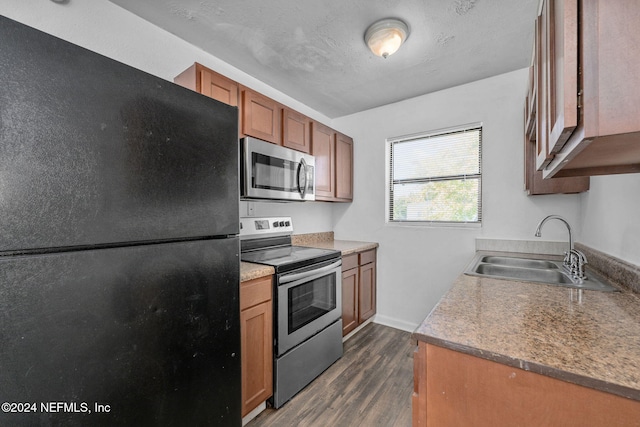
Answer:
(436, 177)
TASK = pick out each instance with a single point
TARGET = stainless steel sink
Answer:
(519, 262)
(533, 270)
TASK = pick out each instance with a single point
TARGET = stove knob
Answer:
(275, 223)
(281, 223)
(287, 223)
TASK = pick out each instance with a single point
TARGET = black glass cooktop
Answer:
(289, 258)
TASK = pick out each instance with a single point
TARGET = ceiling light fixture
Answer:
(386, 36)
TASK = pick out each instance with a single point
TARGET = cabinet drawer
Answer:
(367, 257)
(254, 292)
(349, 262)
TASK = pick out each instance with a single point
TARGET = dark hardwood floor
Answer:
(370, 385)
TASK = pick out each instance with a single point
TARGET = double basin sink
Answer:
(533, 270)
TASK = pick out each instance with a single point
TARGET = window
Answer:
(436, 177)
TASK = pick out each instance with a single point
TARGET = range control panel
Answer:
(251, 226)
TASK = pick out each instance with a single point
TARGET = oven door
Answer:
(308, 300)
(276, 173)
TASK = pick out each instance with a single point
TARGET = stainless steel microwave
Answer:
(272, 172)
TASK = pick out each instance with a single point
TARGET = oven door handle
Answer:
(288, 278)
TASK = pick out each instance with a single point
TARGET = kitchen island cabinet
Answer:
(256, 331)
(456, 389)
(500, 352)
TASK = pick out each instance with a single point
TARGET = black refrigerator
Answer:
(119, 250)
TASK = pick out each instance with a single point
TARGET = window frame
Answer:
(389, 178)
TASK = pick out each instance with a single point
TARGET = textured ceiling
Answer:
(314, 51)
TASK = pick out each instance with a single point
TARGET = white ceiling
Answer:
(314, 51)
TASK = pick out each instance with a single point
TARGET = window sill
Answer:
(424, 224)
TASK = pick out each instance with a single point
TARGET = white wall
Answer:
(307, 217)
(610, 216)
(416, 265)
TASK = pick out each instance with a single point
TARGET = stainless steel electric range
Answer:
(307, 302)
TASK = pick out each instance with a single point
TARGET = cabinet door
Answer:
(563, 71)
(543, 155)
(218, 87)
(536, 185)
(256, 331)
(296, 130)
(323, 147)
(367, 292)
(349, 300)
(458, 389)
(260, 116)
(344, 167)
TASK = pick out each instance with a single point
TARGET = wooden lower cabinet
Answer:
(256, 331)
(358, 289)
(457, 389)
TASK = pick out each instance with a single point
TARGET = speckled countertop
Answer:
(591, 340)
(250, 271)
(326, 241)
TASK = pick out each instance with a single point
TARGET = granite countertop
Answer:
(591, 339)
(326, 241)
(250, 271)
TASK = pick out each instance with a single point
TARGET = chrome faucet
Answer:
(574, 260)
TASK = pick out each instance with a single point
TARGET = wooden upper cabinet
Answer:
(456, 389)
(323, 148)
(543, 154)
(260, 116)
(296, 130)
(344, 167)
(207, 82)
(588, 88)
(563, 71)
(219, 87)
(533, 180)
(264, 118)
(536, 185)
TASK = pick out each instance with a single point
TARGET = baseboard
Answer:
(251, 415)
(395, 323)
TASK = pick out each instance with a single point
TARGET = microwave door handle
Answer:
(302, 167)
(319, 272)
